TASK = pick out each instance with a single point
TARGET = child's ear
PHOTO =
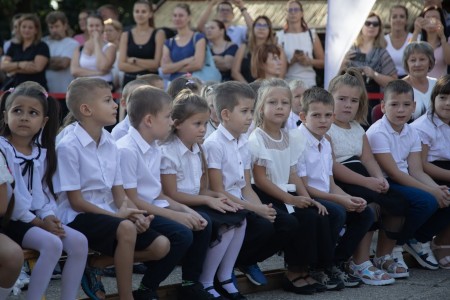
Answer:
(383, 104)
(225, 114)
(85, 110)
(148, 120)
(302, 116)
(123, 103)
(44, 122)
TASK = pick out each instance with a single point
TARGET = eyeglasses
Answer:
(225, 10)
(261, 25)
(294, 10)
(372, 23)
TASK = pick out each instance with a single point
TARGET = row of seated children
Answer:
(207, 184)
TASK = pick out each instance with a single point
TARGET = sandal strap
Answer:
(444, 261)
(365, 265)
(299, 278)
(226, 281)
(388, 263)
(436, 247)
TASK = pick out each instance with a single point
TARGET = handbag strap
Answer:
(209, 61)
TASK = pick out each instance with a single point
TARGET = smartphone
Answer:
(360, 57)
(299, 52)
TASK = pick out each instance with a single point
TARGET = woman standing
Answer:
(96, 57)
(141, 47)
(369, 54)
(261, 33)
(301, 45)
(222, 48)
(27, 59)
(185, 52)
(82, 37)
(399, 37)
(112, 34)
(431, 29)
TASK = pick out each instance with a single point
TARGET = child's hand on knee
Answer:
(53, 224)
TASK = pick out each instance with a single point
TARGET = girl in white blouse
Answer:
(275, 153)
(434, 131)
(358, 174)
(28, 134)
(11, 257)
(184, 179)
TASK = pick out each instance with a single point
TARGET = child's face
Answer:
(25, 117)
(193, 129)
(102, 109)
(318, 119)
(213, 115)
(398, 109)
(346, 103)
(162, 123)
(442, 107)
(239, 120)
(277, 106)
(297, 94)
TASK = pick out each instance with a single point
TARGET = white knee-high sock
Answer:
(230, 256)
(4, 292)
(76, 246)
(50, 249)
(213, 258)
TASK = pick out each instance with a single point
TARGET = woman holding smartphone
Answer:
(302, 46)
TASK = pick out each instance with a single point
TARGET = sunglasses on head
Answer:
(372, 23)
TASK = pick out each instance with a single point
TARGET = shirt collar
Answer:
(391, 130)
(242, 138)
(143, 145)
(183, 149)
(437, 121)
(311, 140)
(84, 137)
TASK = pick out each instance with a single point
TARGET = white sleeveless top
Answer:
(89, 62)
(347, 142)
(397, 54)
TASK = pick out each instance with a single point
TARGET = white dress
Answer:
(347, 142)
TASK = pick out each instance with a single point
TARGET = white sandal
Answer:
(444, 262)
(390, 265)
(370, 276)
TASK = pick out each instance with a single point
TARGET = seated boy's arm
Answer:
(80, 205)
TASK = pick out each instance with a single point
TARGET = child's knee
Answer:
(160, 247)
(126, 232)
(12, 256)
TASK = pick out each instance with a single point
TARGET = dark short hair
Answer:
(55, 16)
(397, 87)
(227, 95)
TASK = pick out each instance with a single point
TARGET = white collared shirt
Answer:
(83, 165)
(140, 165)
(316, 165)
(229, 155)
(121, 128)
(384, 139)
(32, 196)
(186, 164)
(434, 133)
(292, 121)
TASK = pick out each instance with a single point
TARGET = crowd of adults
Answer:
(243, 53)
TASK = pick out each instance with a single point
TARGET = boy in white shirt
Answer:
(140, 159)
(91, 197)
(315, 168)
(397, 149)
(228, 156)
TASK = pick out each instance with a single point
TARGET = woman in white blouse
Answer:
(302, 46)
(418, 60)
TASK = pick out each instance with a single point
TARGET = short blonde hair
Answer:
(80, 91)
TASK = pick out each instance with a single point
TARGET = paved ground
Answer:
(422, 284)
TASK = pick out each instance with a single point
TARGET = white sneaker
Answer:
(397, 255)
(422, 253)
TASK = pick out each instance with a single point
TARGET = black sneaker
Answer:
(329, 280)
(194, 292)
(145, 294)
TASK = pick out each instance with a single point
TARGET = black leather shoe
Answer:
(288, 285)
(226, 294)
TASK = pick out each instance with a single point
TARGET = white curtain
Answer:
(344, 22)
